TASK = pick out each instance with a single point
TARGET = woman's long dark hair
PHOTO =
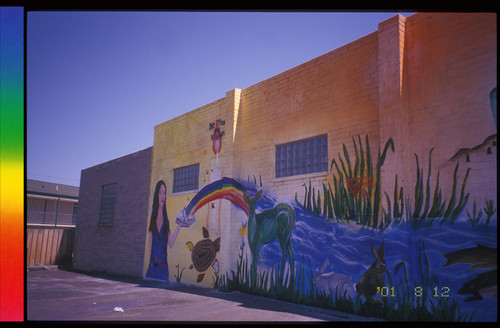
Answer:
(154, 213)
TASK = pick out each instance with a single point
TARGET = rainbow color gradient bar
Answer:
(11, 164)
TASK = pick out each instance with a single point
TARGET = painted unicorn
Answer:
(267, 226)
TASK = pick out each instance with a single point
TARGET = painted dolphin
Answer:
(482, 286)
(479, 257)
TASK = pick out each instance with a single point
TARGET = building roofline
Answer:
(51, 189)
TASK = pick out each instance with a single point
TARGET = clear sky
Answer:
(98, 82)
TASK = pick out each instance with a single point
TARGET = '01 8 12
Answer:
(419, 291)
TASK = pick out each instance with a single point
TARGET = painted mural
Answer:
(421, 256)
(267, 226)
(160, 235)
(421, 269)
(204, 253)
(351, 247)
(414, 254)
(213, 216)
(216, 137)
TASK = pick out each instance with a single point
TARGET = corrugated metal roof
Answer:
(52, 189)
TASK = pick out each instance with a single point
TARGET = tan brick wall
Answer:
(186, 140)
(393, 108)
(334, 94)
(450, 71)
(423, 80)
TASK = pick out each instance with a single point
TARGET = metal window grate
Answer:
(302, 156)
(107, 213)
(186, 178)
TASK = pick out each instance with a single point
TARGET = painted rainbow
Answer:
(225, 188)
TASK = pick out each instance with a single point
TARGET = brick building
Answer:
(51, 210)
(424, 81)
(417, 87)
(111, 222)
(50, 204)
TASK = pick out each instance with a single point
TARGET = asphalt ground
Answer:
(54, 294)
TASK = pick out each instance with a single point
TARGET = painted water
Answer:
(414, 257)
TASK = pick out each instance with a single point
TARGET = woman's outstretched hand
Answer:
(184, 220)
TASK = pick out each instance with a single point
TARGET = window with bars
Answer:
(108, 197)
(302, 156)
(186, 178)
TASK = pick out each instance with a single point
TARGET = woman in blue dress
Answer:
(159, 235)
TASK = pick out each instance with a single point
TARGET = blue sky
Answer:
(98, 82)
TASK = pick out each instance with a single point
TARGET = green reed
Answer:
(341, 204)
(405, 305)
(489, 210)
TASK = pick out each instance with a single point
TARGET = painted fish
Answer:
(479, 257)
(482, 286)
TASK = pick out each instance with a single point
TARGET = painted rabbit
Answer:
(373, 277)
(330, 282)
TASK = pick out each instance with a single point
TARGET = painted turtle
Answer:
(203, 254)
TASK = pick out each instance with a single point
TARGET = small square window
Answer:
(186, 178)
(302, 156)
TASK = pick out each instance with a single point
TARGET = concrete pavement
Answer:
(67, 295)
